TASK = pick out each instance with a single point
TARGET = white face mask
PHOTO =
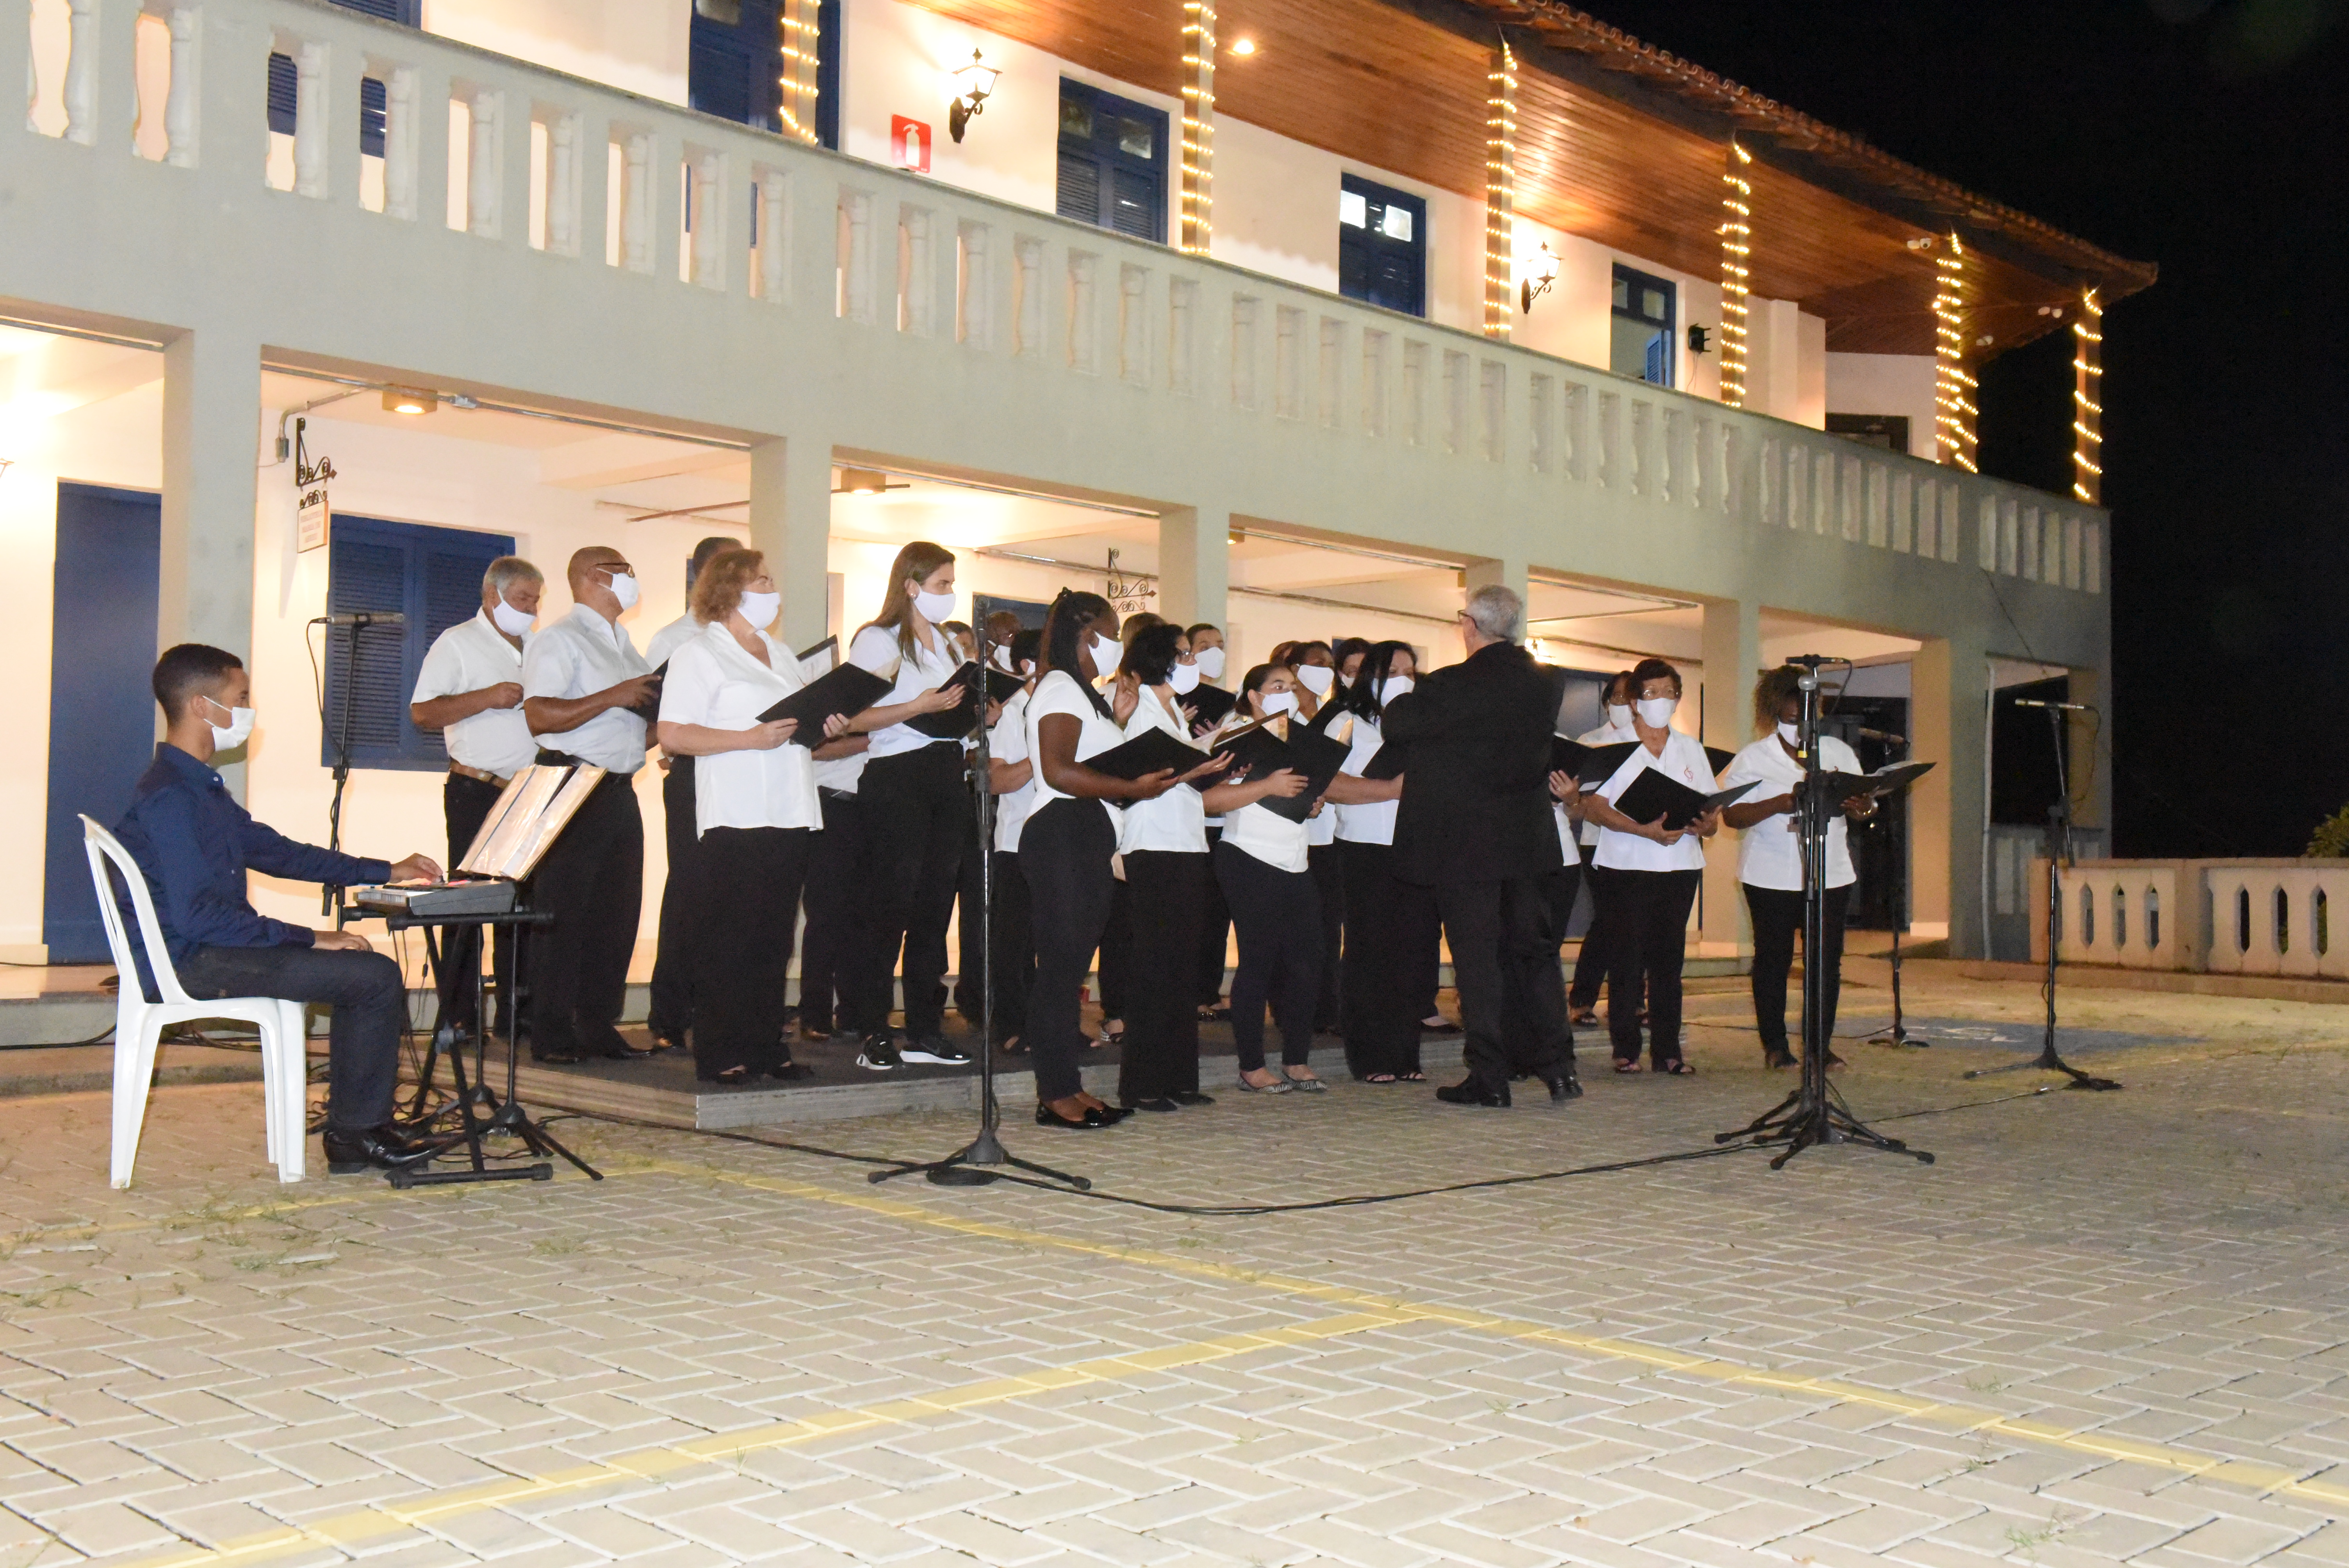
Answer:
(1619, 715)
(1656, 712)
(1393, 688)
(935, 607)
(1317, 679)
(240, 727)
(1279, 702)
(514, 623)
(1789, 734)
(1184, 678)
(1105, 654)
(1211, 664)
(760, 609)
(624, 588)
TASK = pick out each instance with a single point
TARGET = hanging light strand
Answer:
(1500, 192)
(1198, 198)
(1953, 389)
(2087, 401)
(802, 44)
(1736, 253)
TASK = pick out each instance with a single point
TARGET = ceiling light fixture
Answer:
(1244, 47)
(976, 81)
(409, 400)
(865, 482)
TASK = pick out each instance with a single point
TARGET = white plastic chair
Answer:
(139, 1023)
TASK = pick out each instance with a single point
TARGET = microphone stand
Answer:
(2059, 855)
(331, 894)
(978, 1162)
(1815, 1112)
(1897, 1034)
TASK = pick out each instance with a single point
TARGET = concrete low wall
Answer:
(2249, 917)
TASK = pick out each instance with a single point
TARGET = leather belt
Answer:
(483, 774)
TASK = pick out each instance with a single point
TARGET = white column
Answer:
(1731, 646)
(1945, 807)
(1195, 564)
(791, 522)
(81, 72)
(212, 440)
(485, 183)
(313, 103)
(183, 118)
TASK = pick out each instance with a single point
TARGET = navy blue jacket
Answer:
(195, 843)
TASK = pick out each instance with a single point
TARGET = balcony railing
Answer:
(2220, 917)
(506, 154)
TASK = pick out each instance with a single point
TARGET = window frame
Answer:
(415, 750)
(1374, 241)
(1109, 160)
(1625, 273)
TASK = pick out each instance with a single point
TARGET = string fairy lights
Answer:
(2087, 399)
(1736, 253)
(1500, 192)
(1198, 194)
(1953, 389)
(803, 41)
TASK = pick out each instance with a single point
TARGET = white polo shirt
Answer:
(1770, 853)
(925, 669)
(670, 638)
(470, 656)
(1175, 822)
(1373, 823)
(1605, 734)
(1270, 838)
(714, 682)
(1684, 760)
(1059, 692)
(580, 654)
(1008, 742)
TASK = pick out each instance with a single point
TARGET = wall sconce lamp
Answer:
(1532, 288)
(408, 400)
(976, 80)
(865, 482)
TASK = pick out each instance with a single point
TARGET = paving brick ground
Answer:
(2101, 1328)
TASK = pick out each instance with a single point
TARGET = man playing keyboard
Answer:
(195, 844)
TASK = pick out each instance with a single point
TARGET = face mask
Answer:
(1183, 679)
(760, 609)
(1317, 679)
(935, 607)
(1619, 715)
(624, 589)
(1347, 681)
(1656, 712)
(511, 621)
(240, 725)
(1279, 702)
(1211, 664)
(1393, 688)
(1790, 735)
(1105, 654)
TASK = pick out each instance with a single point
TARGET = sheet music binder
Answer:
(1150, 752)
(1885, 780)
(847, 691)
(523, 825)
(1266, 748)
(1654, 795)
(953, 723)
(1208, 705)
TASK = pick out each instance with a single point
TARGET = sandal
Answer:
(1632, 1066)
(1381, 1077)
(1679, 1067)
(1414, 1075)
(1584, 1018)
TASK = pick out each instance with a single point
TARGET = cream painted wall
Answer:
(636, 45)
(1573, 319)
(1886, 384)
(1787, 372)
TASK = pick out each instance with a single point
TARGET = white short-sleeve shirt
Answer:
(1175, 822)
(1684, 760)
(1770, 853)
(580, 654)
(925, 669)
(1008, 742)
(473, 656)
(1059, 692)
(1373, 823)
(670, 638)
(1605, 734)
(714, 682)
(1270, 838)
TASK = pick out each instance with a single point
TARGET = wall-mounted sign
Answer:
(910, 144)
(310, 479)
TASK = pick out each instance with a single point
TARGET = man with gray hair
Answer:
(1474, 823)
(469, 689)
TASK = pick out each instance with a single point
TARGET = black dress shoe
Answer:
(1192, 1097)
(1047, 1116)
(1469, 1092)
(1563, 1087)
(1163, 1103)
(372, 1149)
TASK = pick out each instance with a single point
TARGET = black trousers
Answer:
(751, 877)
(1522, 1020)
(465, 803)
(1014, 947)
(916, 816)
(684, 896)
(593, 883)
(1591, 966)
(1167, 892)
(1777, 920)
(1321, 863)
(1496, 930)
(970, 961)
(1116, 967)
(1277, 915)
(1390, 925)
(1214, 932)
(833, 948)
(1064, 851)
(371, 1008)
(1650, 911)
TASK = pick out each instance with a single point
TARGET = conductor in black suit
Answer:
(1476, 824)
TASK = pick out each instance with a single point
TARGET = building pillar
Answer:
(1198, 192)
(1947, 721)
(1195, 564)
(212, 445)
(791, 524)
(1732, 648)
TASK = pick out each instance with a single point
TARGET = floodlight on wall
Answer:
(409, 400)
(1540, 283)
(976, 82)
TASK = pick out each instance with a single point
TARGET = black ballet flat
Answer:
(1047, 1116)
(791, 1071)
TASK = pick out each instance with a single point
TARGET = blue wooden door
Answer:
(101, 707)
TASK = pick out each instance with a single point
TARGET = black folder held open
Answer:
(847, 691)
(1263, 749)
(953, 723)
(1152, 751)
(1208, 705)
(1885, 780)
(1652, 795)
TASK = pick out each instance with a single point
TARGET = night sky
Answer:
(2199, 136)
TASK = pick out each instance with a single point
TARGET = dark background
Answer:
(2212, 140)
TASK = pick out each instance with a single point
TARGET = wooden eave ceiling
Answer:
(1617, 142)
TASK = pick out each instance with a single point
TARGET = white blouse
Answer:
(1177, 822)
(1684, 760)
(1059, 692)
(1605, 734)
(1270, 838)
(1373, 823)
(1770, 853)
(714, 683)
(1008, 742)
(925, 669)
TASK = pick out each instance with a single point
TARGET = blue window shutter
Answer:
(282, 76)
(1104, 179)
(431, 575)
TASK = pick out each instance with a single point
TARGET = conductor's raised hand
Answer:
(417, 867)
(768, 735)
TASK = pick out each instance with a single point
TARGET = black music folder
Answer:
(1387, 762)
(953, 723)
(1001, 685)
(1652, 795)
(1892, 776)
(1152, 751)
(820, 660)
(1262, 749)
(1208, 705)
(649, 709)
(847, 691)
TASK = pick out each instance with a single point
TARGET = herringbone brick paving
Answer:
(2102, 1328)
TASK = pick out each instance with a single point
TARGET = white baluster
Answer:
(82, 74)
(637, 218)
(1027, 255)
(402, 117)
(856, 262)
(774, 236)
(563, 185)
(485, 182)
(709, 220)
(181, 106)
(310, 111)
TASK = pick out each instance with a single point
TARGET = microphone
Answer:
(1885, 735)
(364, 618)
(2066, 706)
